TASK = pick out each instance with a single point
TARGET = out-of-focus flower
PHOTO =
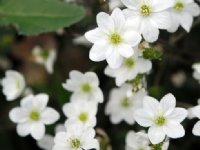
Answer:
(32, 115)
(84, 86)
(178, 78)
(190, 113)
(81, 111)
(114, 4)
(76, 137)
(162, 118)
(123, 104)
(196, 73)
(46, 57)
(137, 141)
(113, 40)
(13, 85)
(148, 16)
(129, 69)
(182, 13)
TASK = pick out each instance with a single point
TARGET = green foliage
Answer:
(32, 17)
(150, 53)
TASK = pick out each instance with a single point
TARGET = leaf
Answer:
(32, 17)
(150, 53)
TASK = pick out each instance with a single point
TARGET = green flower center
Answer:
(44, 53)
(129, 62)
(83, 117)
(160, 121)
(125, 102)
(86, 88)
(75, 143)
(178, 6)
(34, 115)
(115, 38)
(145, 10)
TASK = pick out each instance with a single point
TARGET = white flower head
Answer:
(113, 39)
(32, 116)
(182, 13)
(162, 118)
(129, 69)
(84, 86)
(13, 85)
(123, 103)
(196, 112)
(137, 141)
(81, 111)
(148, 16)
(46, 57)
(76, 137)
(196, 73)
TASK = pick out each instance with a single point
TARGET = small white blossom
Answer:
(13, 85)
(162, 118)
(148, 16)
(178, 78)
(137, 141)
(84, 86)
(81, 111)
(32, 115)
(196, 113)
(76, 137)
(196, 73)
(182, 13)
(114, 4)
(129, 69)
(123, 103)
(46, 57)
(113, 40)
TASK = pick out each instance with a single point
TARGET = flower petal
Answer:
(193, 9)
(17, 115)
(23, 129)
(196, 129)
(178, 115)
(40, 101)
(162, 19)
(92, 78)
(132, 4)
(196, 111)
(115, 59)
(37, 130)
(92, 144)
(132, 37)
(144, 65)
(119, 19)
(159, 6)
(156, 134)
(94, 35)
(98, 52)
(105, 22)
(174, 130)
(150, 105)
(168, 103)
(125, 50)
(186, 21)
(49, 116)
(143, 118)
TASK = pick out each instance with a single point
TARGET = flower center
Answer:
(160, 121)
(44, 53)
(86, 88)
(125, 102)
(178, 6)
(83, 116)
(129, 62)
(115, 38)
(75, 143)
(34, 115)
(145, 10)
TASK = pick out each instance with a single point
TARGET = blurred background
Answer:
(173, 73)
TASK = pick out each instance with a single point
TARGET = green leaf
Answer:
(32, 17)
(150, 53)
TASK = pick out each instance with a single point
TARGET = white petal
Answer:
(61, 147)
(193, 9)
(119, 19)
(174, 130)
(105, 22)
(92, 144)
(196, 129)
(150, 105)
(94, 35)
(92, 78)
(162, 19)
(46, 142)
(144, 65)
(61, 138)
(125, 50)
(143, 118)
(196, 111)
(131, 3)
(49, 116)
(27, 102)
(174, 23)
(159, 6)
(178, 115)
(98, 95)
(40, 101)
(37, 130)
(132, 38)
(98, 52)
(17, 115)
(156, 134)
(168, 103)
(186, 21)
(23, 129)
(115, 59)
(116, 118)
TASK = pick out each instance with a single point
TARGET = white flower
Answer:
(129, 69)
(113, 40)
(81, 111)
(196, 73)
(47, 142)
(137, 141)
(182, 13)
(32, 115)
(114, 4)
(148, 16)
(162, 118)
(13, 85)
(123, 103)
(76, 137)
(45, 57)
(84, 86)
(196, 113)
